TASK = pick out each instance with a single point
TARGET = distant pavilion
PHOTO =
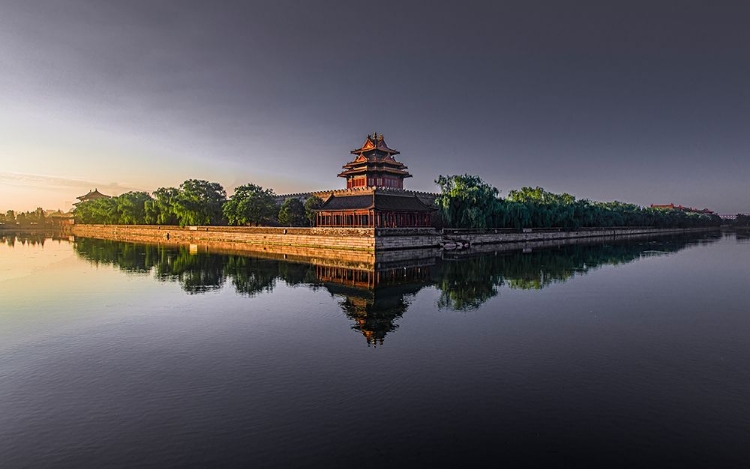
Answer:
(375, 195)
(92, 195)
(681, 208)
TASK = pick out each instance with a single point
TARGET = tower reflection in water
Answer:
(375, 296)
(375, 299)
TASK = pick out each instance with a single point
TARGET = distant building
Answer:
(374, 194)
(681, 208)
(58, 218)
(92, 195)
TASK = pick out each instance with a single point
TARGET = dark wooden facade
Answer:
(375, 195)
(376, 210)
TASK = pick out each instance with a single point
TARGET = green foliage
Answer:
(199, 202)
(31, 218)
(161, 209)
(468, 202)
(465, 201)
(194, 203)
(98, 211)
(35, 217)
(742, 220)
(251, 204)
(292, 213)
(10, 217)
(131, 208)
(545, 209)
(125, 209)
(312, 204)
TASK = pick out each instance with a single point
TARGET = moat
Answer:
(625, 352)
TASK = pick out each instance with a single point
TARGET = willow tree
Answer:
(199, 202)
(466, 201)
(161, 209)
(98, 211)
(251, 204)
(131, 208)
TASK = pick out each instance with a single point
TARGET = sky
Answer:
(637, 101)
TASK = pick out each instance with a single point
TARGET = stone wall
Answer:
(425, 239)
(410, 238)
(330, 242)
(528, 246)
(549, 235)
(351, 239)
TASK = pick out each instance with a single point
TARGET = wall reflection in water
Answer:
(374, 299)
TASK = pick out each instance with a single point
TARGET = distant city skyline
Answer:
(642, 102)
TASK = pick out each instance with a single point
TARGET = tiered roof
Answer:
(375, 156)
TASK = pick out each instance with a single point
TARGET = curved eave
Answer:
(355, 172)
(390, 151)
(371, 164)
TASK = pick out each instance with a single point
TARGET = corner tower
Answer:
(374, 166)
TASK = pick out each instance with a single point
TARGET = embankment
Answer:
(330, 242)
(324, 245)
(476, 238)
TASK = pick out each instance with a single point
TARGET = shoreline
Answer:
(214, 241)
(331, 242)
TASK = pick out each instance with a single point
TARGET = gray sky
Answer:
(644, 102)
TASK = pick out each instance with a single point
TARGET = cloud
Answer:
(52, 182)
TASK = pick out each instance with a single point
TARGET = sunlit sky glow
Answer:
(644, 102)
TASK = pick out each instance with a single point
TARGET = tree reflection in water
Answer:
(742, 235)
(31, 239)
(375, 299)
(467, 281)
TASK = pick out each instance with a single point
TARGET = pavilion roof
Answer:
(353, 202)
(396, 171)
(374, 163)
(95, 194)
(376, 201)
(375, 142)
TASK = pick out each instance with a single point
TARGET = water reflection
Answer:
(31, 239)
(374, 299)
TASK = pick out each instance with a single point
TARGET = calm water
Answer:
(624, 354)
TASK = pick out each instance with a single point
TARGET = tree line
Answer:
(742, 220)
(34, 217)
(198, 202)
(466, 201)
